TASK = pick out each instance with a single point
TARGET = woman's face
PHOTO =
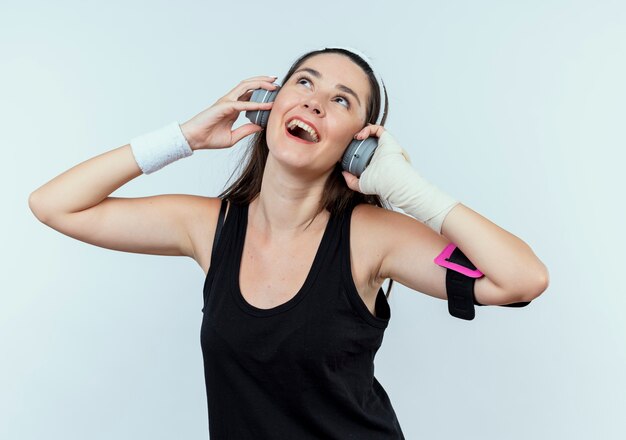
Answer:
(330, 92)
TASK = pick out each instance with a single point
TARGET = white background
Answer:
(514, 108)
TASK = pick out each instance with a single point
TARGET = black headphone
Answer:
(356, 157)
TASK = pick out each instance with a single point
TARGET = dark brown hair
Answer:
(336, 197)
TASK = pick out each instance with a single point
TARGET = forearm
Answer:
(508, 262)
(512, 272)
(86, 184)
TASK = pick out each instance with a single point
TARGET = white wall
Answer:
(515, 108)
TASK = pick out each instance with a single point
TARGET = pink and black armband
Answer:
(461, 276)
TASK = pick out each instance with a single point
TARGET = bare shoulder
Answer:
(373, 216)
(370, 218)
(368, 228)
(377, 232)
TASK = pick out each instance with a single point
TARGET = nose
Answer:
(313, 106)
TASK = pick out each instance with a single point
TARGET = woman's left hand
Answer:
(370, 130)
(391, 176)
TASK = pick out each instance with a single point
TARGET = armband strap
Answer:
(460, 290)
(460, 278)
(517, 304)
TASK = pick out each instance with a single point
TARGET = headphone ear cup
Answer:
(260, 117)
(358, 155)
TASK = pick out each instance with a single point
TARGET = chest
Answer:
(271, 274)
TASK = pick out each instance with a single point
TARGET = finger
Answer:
(260, 77)
(251, 105)
(378, 132)
(246, 96)
(243, 131)
(363, 133)
(244, 86)
(370, 130)
(243, 90)
(256, 79)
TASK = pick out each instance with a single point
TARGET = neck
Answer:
(288, 204)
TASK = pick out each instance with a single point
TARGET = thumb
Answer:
(243, 131)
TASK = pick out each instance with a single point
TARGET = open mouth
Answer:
(301, 134)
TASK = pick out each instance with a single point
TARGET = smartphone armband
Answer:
(460, 278)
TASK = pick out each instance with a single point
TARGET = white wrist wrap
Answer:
(161, 147)
(391, 176)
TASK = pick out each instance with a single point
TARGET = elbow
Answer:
(35, 208)
(540, 286)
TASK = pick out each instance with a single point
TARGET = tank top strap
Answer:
(382, 308)
(218, 230)
(226, 233)
(344, 225)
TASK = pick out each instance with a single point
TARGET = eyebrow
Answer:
(341, 87)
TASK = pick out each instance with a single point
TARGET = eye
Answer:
(345, 99)
(304, 78)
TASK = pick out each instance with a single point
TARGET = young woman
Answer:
(293, 308)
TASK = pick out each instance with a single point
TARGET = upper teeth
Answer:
(304, 126)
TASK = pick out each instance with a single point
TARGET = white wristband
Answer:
(161, 147)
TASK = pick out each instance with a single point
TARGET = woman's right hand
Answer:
(211, 128)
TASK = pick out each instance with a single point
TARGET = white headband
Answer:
(381, 85)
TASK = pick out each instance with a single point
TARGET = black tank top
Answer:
(303, 369)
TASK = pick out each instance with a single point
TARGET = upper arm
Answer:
(406, 249)
(158, 225)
